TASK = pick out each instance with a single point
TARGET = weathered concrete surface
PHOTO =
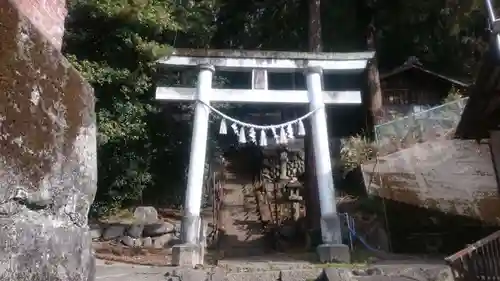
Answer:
(294, 271)
(328, 253)
(127, 272)
(453, 176)
(47, 158)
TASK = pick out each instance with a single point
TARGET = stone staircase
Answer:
(243, 234)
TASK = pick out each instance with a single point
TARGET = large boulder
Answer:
(158, 229)
(145, 214)
(48, 168)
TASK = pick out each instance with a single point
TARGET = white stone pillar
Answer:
(330, 223)
(192, 222)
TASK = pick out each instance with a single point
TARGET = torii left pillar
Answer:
(192, 249)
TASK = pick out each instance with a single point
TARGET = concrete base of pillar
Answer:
(331, 232)
(334, 253)
(190, 229)
(187, 255)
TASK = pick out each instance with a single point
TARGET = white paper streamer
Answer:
(252, 135)
(289, 132)
(286, 129)
(283, 138)
(275, 135)
(223, 127)
(242, 137)
(263, 138)
(235, 128)
(301, 129)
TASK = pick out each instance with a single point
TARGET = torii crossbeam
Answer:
(260, 64)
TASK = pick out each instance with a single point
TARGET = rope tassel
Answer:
(301, 129)
(242, 137)
(263, 138)
(223, 127)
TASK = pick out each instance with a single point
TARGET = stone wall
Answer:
(48, 166)
(47, 15)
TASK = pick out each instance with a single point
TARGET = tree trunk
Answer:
(315, 44)
(374, 78)
(312, 198)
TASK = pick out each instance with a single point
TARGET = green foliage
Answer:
(355, 151)
(453, 95)
(115, 44)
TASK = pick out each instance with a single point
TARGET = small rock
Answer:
(371, 260)
(218, 274)
(95, 232)
(174, 278)
(367, 271)
(137, 242)
(189, 274)
(113, 231)
(198, 266)
(128, 241)
(157, 229)
(147, 242)
(146, 214)
(160, 241)
(299, 274)
(335, 274)
(135, 230)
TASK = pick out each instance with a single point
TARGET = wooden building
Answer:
(411, 88)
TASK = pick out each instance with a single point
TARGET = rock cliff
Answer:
(48, 168)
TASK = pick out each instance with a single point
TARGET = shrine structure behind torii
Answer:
(260, 64)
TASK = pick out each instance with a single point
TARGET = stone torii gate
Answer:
(260, 64)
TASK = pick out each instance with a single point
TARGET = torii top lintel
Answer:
(276, 61)
(260, 64)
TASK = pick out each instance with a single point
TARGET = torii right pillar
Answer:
(331, 249)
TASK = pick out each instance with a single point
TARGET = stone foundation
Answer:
(334, 253)
(191, 254)
(187, 255)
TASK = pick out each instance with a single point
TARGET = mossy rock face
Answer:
(48, 166)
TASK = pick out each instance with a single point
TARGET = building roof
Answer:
(414, 63)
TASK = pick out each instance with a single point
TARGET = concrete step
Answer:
(273, 268)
